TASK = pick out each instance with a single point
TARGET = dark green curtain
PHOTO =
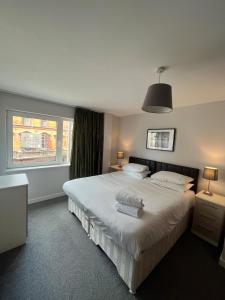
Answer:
(87, 148)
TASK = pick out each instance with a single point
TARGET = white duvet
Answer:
(163, 208)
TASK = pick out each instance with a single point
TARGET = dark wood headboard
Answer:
(156, 166)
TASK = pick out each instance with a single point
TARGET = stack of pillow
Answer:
(136, 170)
(172, 180)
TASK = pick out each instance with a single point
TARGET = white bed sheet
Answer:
(163, 210)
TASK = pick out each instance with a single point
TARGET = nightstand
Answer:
(115, 168)
(209, 216)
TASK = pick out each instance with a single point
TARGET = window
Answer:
(35, 140)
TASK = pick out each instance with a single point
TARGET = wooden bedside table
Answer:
(115, 168)
(209, 215)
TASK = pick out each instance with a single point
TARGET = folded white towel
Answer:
(129, 198)
(129, 210)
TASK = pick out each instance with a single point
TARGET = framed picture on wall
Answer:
(161, 139)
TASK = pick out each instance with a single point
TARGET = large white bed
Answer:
(134, 245)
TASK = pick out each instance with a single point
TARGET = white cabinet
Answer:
(13, 211)
(209, 217)
(115, 168)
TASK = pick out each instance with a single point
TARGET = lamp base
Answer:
(208, 193)
(119, 163)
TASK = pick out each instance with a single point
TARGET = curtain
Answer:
(87, 148)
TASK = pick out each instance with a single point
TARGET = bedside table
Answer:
(115, 168)
(209, 216)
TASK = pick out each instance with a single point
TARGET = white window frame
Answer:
(59, 140)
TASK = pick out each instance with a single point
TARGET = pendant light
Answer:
(159, 96)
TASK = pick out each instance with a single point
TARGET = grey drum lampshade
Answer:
(210, 173)
(120, 155)
(158, 99)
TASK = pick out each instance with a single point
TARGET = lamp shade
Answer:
(158, 99)
(210, 173)
(120, 155)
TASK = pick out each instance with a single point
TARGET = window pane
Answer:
(34, 140)
(67, 140)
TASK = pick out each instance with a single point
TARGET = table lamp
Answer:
(120, 155)
(210, 173)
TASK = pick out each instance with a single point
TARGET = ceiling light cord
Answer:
(160, 70)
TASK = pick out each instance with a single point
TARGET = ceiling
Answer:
(102, 54)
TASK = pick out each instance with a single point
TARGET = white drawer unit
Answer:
(13, 211)
(115, 168)
(209, 216)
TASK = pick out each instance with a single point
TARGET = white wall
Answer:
(44, 182)
(115, 138)
(200, 138)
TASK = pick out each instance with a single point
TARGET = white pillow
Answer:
(188, 186)
(135, 168)
(172, 177)
(138, 175)
(173, 186)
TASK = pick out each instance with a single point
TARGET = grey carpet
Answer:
(60, 262)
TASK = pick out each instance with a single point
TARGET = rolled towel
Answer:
(129, 210)
(129, 198)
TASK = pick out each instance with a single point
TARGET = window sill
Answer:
(35, 168)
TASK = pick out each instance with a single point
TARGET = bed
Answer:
(135, 246)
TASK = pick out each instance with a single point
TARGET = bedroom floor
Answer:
(60, 262)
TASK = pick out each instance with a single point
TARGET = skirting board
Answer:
(46, 197)
(222, 262)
